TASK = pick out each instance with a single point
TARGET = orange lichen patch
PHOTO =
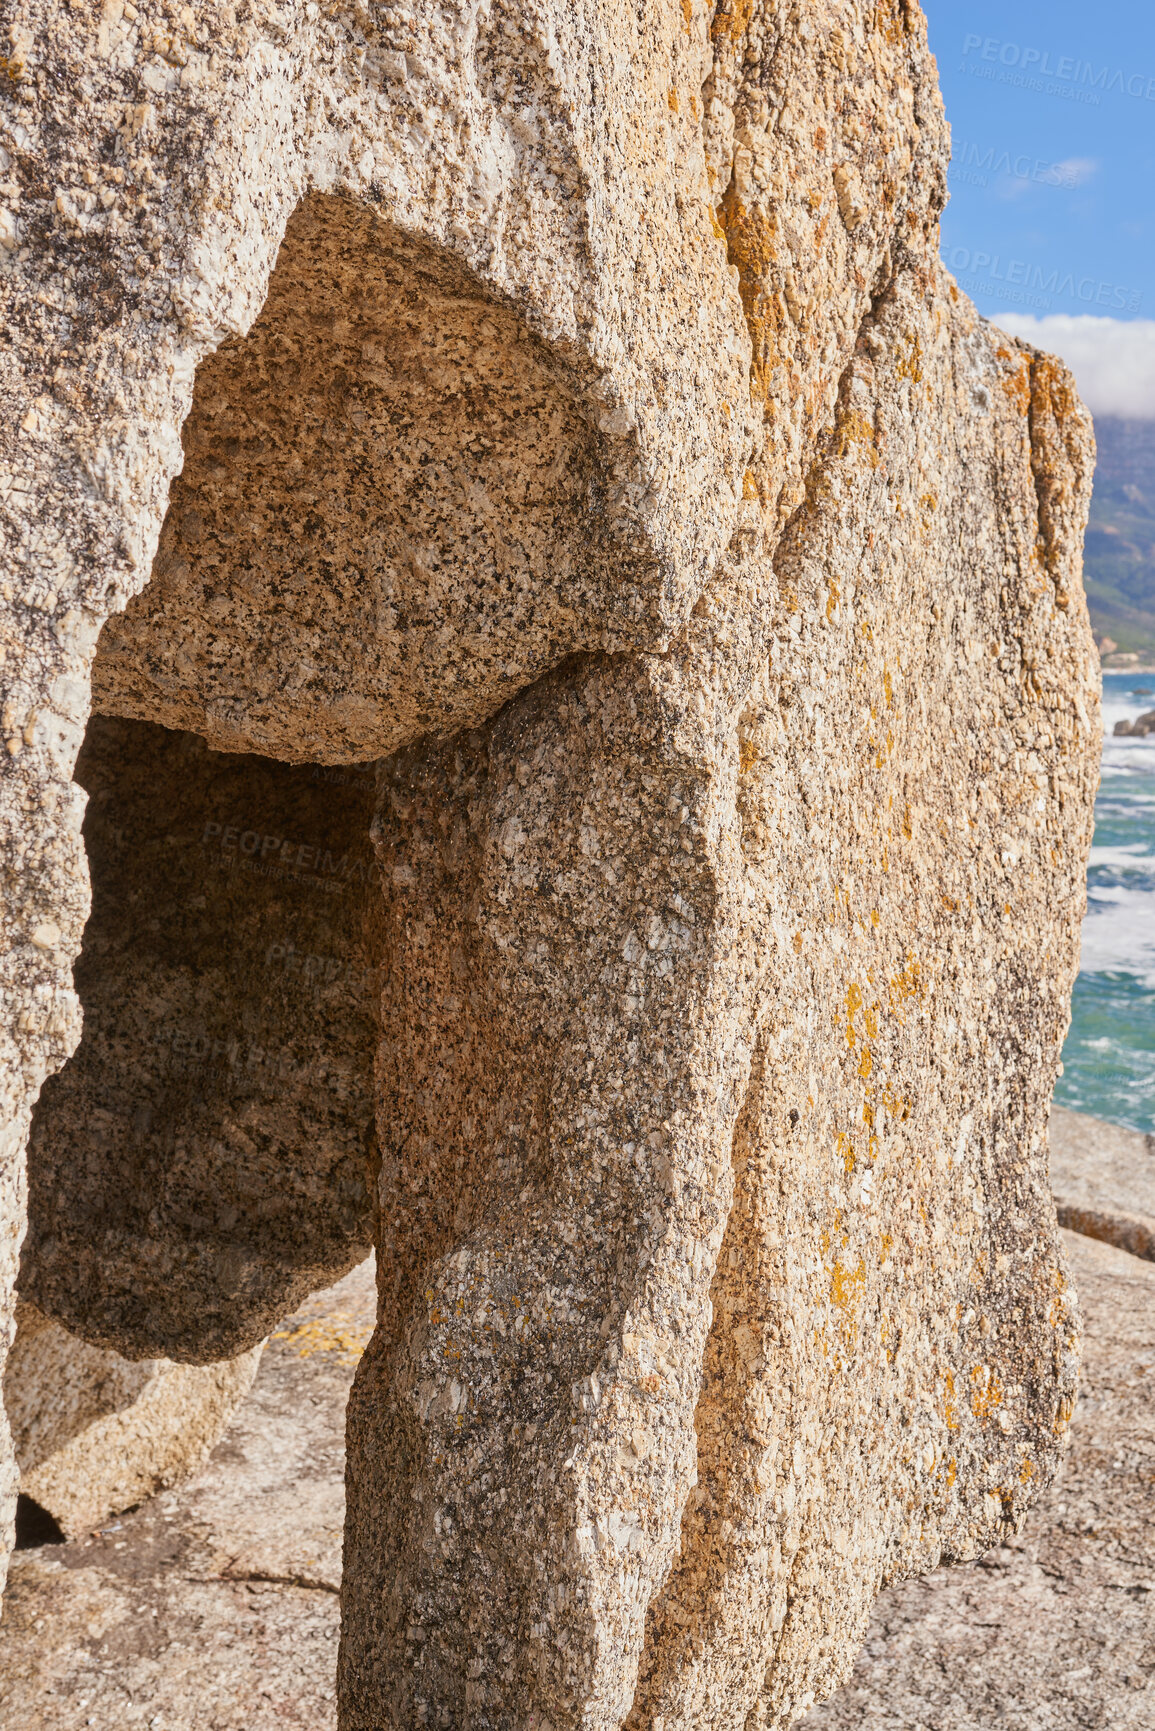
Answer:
(864, 1067)
(1017, 388)
(890, 21)
(1027, 1471)
(986, 1392)
(949, 1404)
(853, 1005)
(672, 100)
(909, 365)
(905, 986)
(797, 940)
(847, 1287)
(748, 755)
(1052, 389)
(855, 430)
(688, 13)
(844, 1150)
(338, 1333)
(832, 603)
(896, 1104)
(732, 19)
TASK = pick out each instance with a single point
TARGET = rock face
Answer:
(204, 1159)
(609, 460)
(95, 1433)
(1056, 1626)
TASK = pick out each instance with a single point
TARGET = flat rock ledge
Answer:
(215, 1607)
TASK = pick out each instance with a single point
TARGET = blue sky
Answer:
(1052, 210)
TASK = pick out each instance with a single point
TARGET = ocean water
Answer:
(1109, 1057)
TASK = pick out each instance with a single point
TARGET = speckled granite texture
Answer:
(578, 425)
(96, 1433)
(1056, 1626)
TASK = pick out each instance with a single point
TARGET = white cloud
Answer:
(1075, 171)
(1113, 360)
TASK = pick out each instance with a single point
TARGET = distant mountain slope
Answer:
(1119, 564)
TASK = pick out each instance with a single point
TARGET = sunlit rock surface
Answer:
(579, 426)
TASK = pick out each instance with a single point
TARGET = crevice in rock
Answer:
(35, 1527)
(203, 1160)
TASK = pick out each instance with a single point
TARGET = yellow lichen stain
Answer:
(750, 485)
(1017, 388)
(853, 1005)
(688, 13)
(847, 1286)
(986, 1392)
(910, 360)
(864, 1067)
(1027, 1471)
(907, 985)
(337, 1333)
(732, 19)
(672, 100)
(854, 429)
(896, 1104)
(844, 1150)
(949, 1404)
(831, 603)
(748, 755)
(797, 943)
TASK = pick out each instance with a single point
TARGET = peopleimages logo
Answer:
(1061, 75)
(978, 165)
(1033, 285)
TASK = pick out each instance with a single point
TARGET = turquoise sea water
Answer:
(1109, 1057)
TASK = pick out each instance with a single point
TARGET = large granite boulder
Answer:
(579, 426)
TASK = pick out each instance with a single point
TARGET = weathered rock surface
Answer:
(609, 457)
(1055, 1627)
(205, 1159)
(95, 1433)
(1103, 1177)
(213, 1607)
(241, 1566)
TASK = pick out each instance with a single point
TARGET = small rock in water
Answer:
(1137, 729)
